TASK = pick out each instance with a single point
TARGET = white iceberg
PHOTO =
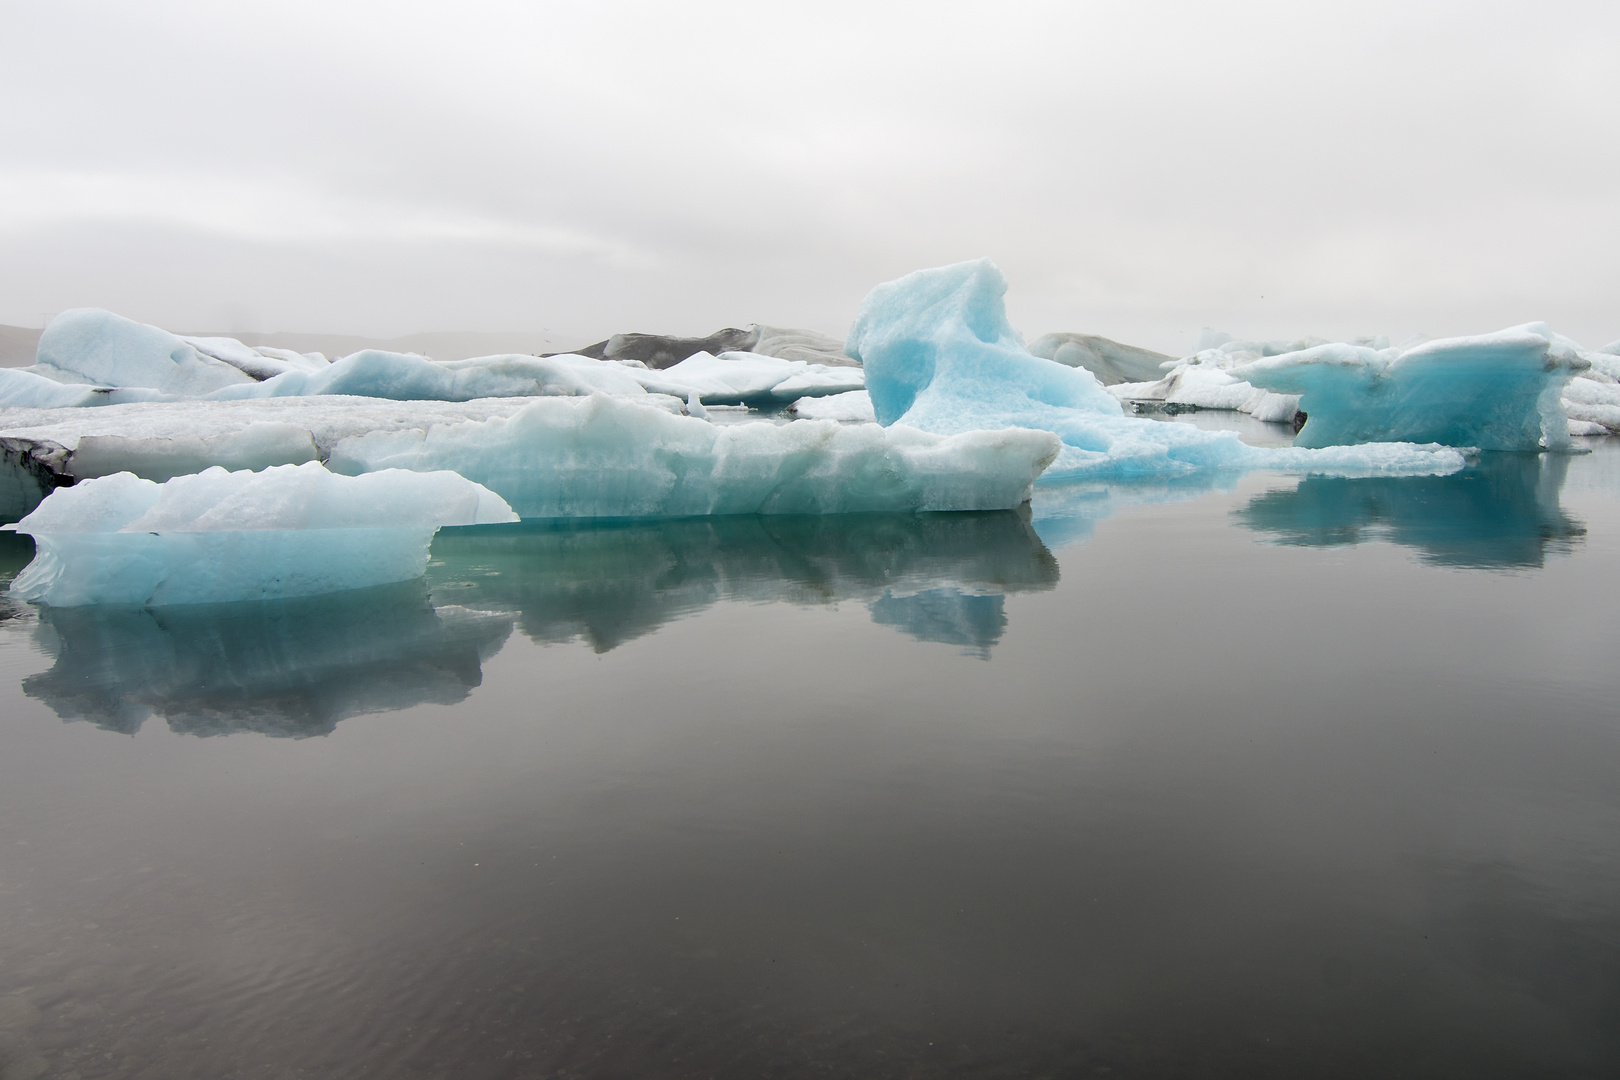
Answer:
(940, 355)
(602, 456)
(743, 378)
(218, 536)
(98, 348)
(852, 407)
(1496, 391)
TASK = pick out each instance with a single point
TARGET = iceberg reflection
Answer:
(607, 584)
(294, 668)
(290, 668)
(1501, 512)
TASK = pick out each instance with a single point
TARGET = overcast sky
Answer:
(1138, 169)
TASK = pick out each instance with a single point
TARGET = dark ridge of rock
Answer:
(1110, 361)
(30, 469)
(658, 351)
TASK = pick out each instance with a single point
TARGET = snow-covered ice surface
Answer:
(854, 407)
(218, 536)
(1496, 391)
(940, 355)
(603, 456)
(742, 378)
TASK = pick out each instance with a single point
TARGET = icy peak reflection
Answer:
(1501, 512)
(290, 668)
(937, 577)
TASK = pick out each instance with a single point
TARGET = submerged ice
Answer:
(216, 536)
(941, 356)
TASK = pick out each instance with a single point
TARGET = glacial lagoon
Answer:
(1260, 776)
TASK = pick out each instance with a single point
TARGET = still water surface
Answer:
(1275, 777)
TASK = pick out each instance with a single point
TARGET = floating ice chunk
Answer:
(217, 536)
(1495, 391)
(855, 406)
(88, 345)
(610, 457)
(741, 378)
(39, 447)
(940, 355)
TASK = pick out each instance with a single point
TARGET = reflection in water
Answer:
(1501, 512)
(296, 667)
(284, 667)
(937, 577)
(1067, 514)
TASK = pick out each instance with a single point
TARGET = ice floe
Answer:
(603, 456)
(1496, 391)
(291, 530)
(941, 356)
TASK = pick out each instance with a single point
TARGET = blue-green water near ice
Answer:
(1276, 778)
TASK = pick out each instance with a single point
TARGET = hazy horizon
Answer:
(1138, 170)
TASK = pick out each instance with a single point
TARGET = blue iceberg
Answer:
(941, 356)
(217, 536)
(1497, 391)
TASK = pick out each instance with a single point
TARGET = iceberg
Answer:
(602, 456)
(95, 347)
(407, 377)
(1498, 391)
(941, 356)
(94, 357)
(218, 536)
(43, 449)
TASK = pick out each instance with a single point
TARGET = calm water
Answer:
(1263, 778)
